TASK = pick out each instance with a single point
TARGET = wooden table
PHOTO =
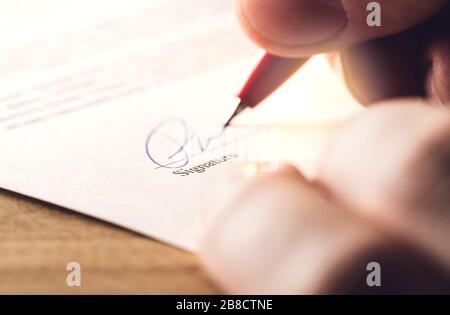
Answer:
(38, 240)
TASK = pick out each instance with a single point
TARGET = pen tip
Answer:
(241, 106)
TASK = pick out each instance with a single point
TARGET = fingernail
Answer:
(295, 22)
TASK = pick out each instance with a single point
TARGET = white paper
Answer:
(96, 97)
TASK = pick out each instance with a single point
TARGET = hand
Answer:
(407, 56)
(381, 192)
(381, 195)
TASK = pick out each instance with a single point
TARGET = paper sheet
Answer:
(105, 107)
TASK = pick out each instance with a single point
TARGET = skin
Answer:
(381, 192)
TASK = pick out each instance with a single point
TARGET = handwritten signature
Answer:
(171, 143)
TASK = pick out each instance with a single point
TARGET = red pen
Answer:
(269, 74)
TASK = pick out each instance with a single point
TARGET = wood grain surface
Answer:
(38, 240)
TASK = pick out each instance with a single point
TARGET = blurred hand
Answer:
(381, 193)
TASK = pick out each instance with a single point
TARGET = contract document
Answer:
(114, 108)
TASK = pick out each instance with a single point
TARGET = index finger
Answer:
(305, 27)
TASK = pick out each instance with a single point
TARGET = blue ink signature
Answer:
(174, 135)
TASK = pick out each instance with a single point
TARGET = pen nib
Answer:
(239, 109)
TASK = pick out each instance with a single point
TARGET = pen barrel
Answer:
(270, 73)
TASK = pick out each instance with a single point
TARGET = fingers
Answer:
(398, 65)
(292, 23)
(391, 166)
(277, 233)
(384, 68)
(306, 27)
(439, 75)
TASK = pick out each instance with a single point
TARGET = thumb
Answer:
(306, 27)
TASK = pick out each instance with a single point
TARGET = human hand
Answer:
(380, 195)
(409, 55)
(381, 191)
